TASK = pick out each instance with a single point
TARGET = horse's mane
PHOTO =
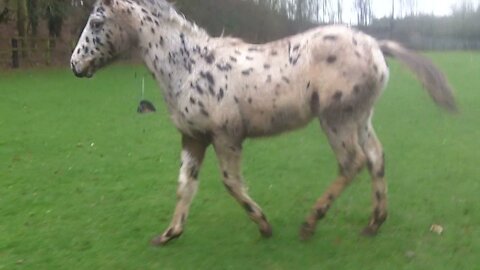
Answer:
(155, 5)
(172, 14)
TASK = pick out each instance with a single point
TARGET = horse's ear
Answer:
(107, 2)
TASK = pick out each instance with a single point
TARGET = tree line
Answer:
(265, 20)
(28, 13)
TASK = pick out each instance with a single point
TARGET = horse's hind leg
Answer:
(229, 154)
(344, 141)
(376, 166)
(192, 156)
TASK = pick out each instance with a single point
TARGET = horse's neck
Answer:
(172, 51)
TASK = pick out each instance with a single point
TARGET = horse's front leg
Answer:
(193, 152)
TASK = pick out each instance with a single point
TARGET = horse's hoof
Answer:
(266, 232)
(369, 231)
(158, 241)
(306, 231)
(162, 240)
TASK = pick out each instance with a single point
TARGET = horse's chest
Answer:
(188, 119)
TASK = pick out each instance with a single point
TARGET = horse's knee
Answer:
(352, 163)
(233, 186)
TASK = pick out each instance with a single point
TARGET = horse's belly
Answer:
(261, 123)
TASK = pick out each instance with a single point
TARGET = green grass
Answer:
(85, 182)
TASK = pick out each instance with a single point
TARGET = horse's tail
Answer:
(432, 79)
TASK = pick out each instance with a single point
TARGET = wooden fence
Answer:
(18, 52)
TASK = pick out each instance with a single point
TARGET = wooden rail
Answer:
(33, 46)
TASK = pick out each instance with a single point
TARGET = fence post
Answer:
(15, 57)
(48, 52)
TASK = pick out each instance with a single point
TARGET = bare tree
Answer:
(5, 11)
(364, 12)
(392, 19)
(22, 24)
(411, 7)
(464, 7)
(300, 10)
(340, 11)
(325, 6)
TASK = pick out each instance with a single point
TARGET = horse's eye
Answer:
(96, 25)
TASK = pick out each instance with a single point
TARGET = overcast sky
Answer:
(383, 8)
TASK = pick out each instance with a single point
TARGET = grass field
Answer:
(85, 182)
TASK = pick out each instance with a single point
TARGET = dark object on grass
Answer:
(146, 106)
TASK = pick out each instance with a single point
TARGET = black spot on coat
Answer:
(331, 59)
(247, 71)
(330, 37)
(210, 58)
(208, 76)
(338, 95)
(248, 207)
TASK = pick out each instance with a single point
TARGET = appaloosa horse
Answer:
(222, 90)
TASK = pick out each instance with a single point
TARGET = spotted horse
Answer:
(220, 91)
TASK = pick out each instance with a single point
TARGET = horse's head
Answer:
(102, 39)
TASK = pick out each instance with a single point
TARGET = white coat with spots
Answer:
(221, 91)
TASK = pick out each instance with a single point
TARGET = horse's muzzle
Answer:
(86, 73)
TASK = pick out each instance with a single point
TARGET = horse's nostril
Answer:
(74, 69)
